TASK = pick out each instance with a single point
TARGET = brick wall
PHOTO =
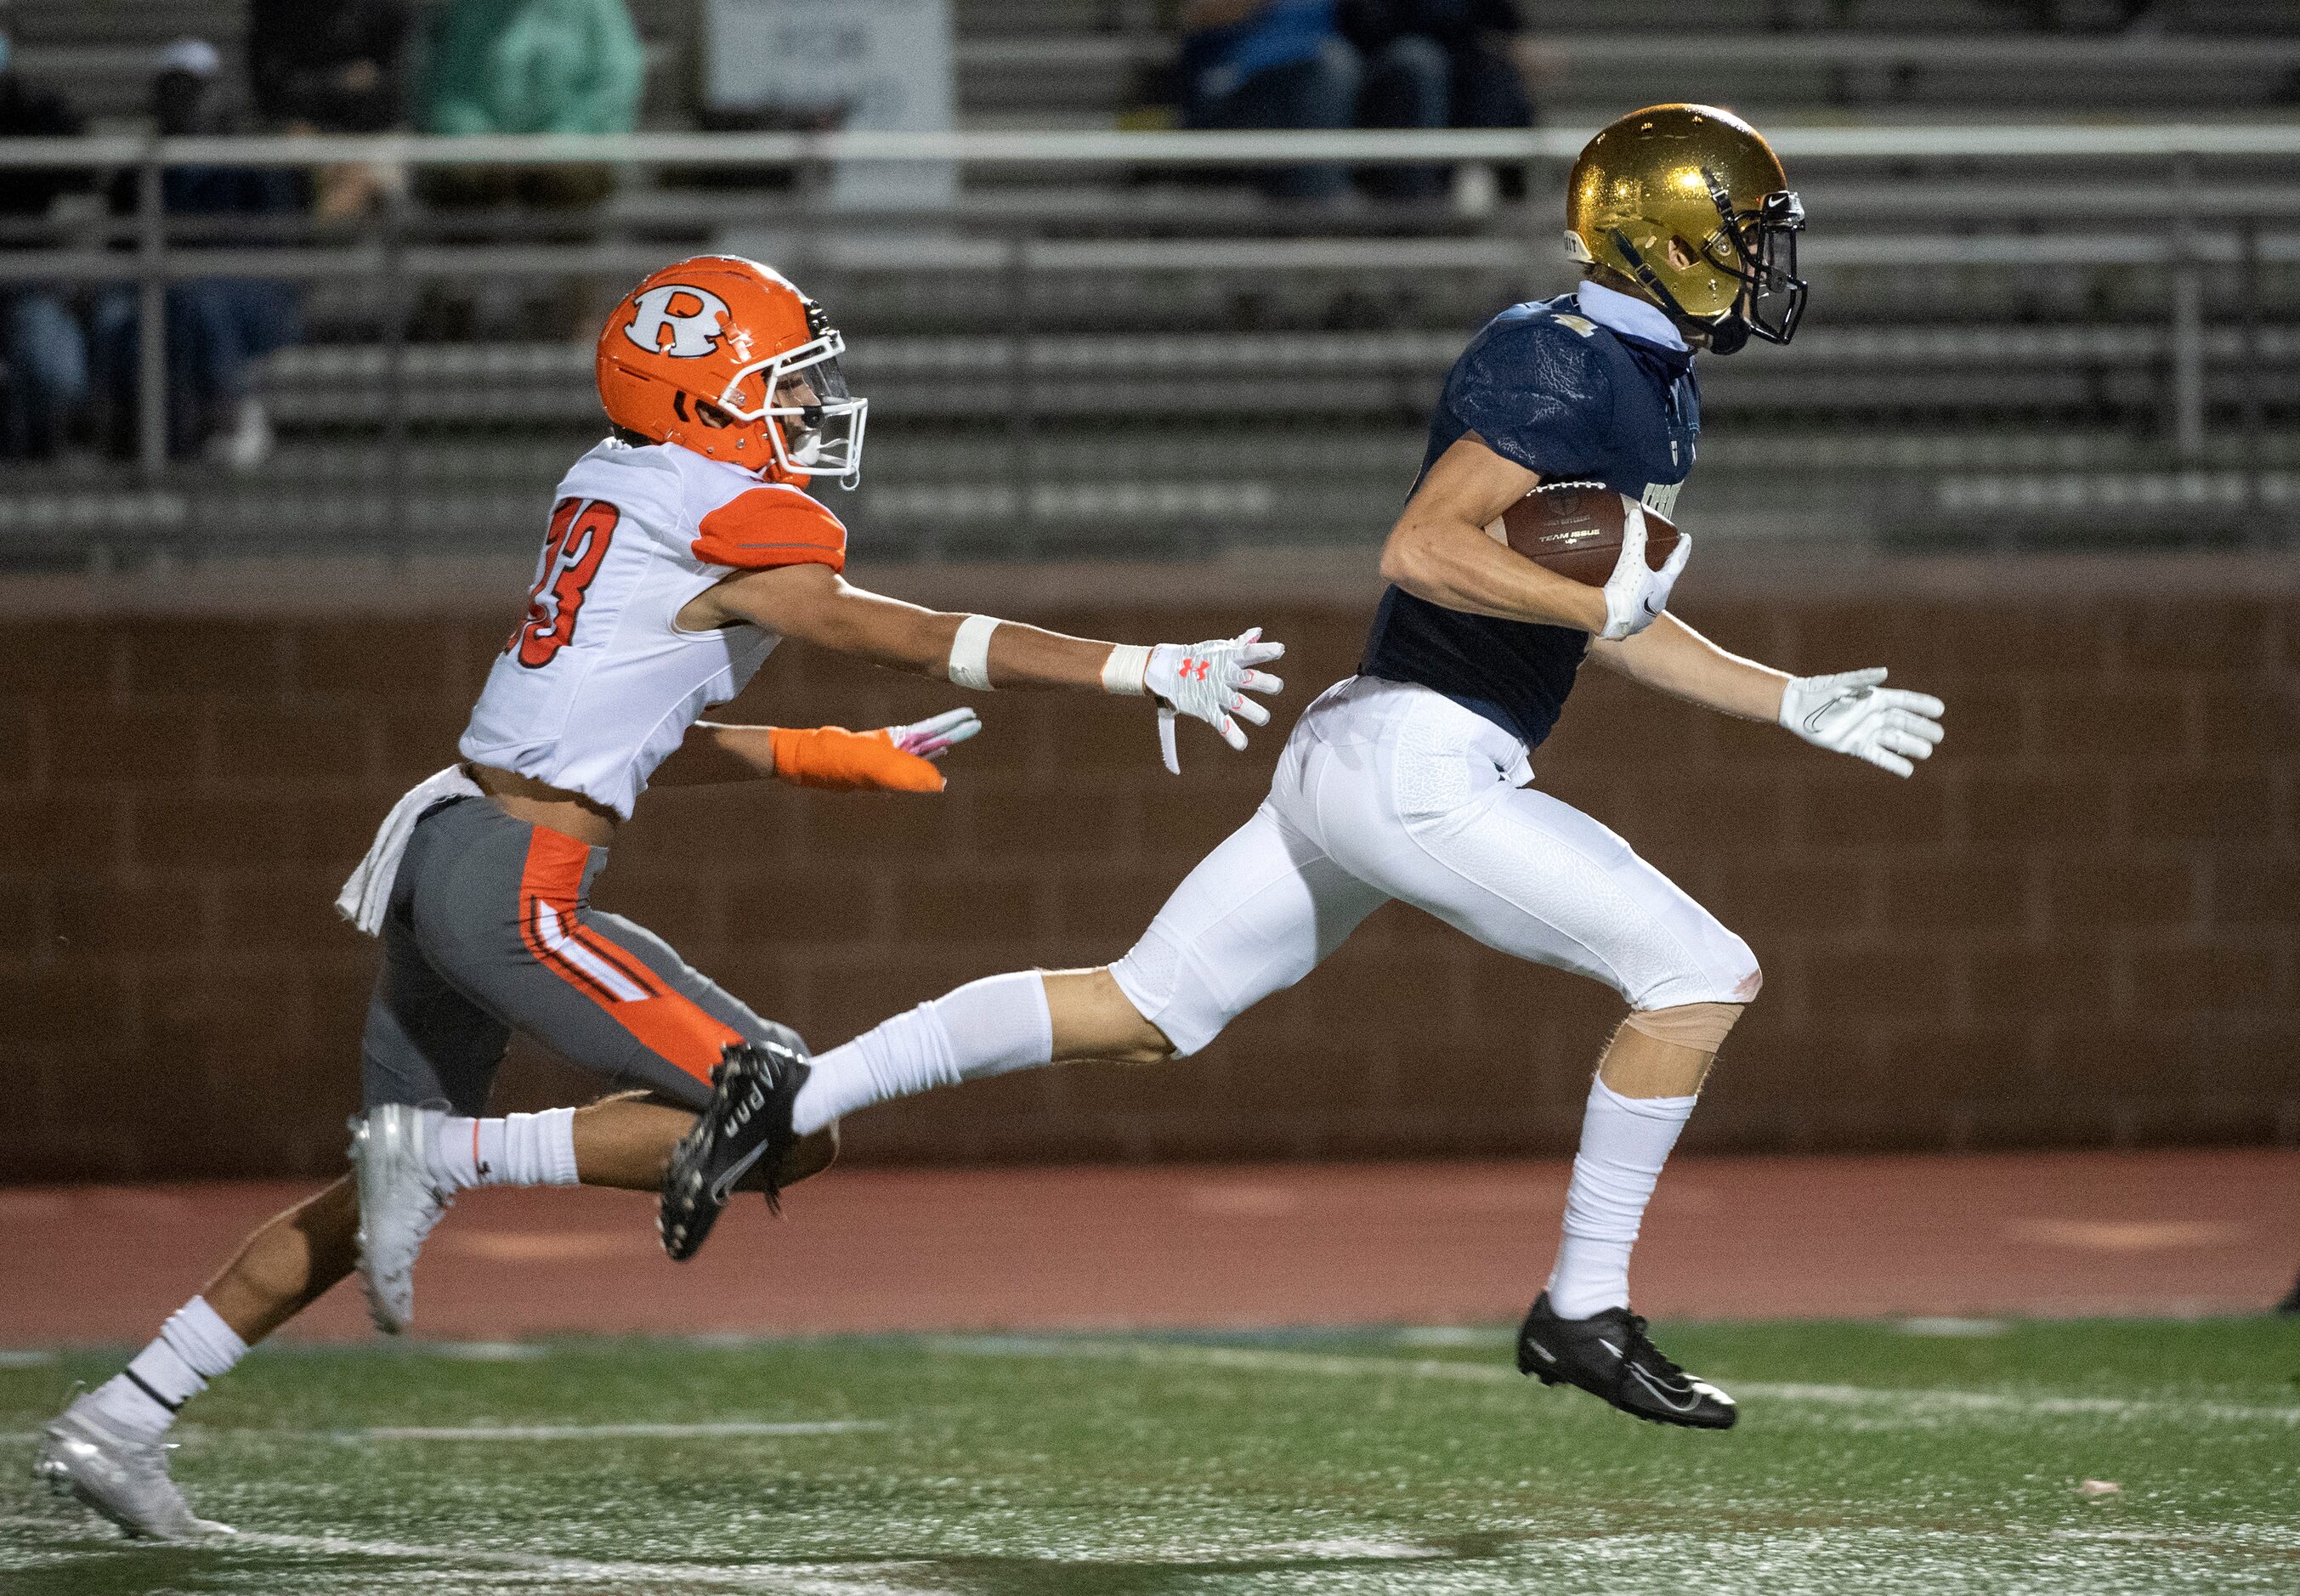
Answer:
(2080, 925)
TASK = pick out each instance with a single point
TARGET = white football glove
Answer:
(1852, 712)
(1636, 594)
(1206, 681)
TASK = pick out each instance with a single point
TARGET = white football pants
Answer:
(1391, 790)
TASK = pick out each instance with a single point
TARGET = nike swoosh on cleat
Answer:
(725, 1183)
(1664, 1396)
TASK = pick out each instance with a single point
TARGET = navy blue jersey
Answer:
(1550, 389)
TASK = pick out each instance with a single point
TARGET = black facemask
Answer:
(1772, 297)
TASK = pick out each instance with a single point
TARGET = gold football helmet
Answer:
(1690, 203)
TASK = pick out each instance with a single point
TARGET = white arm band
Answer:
(1126, 671)
(970, 653)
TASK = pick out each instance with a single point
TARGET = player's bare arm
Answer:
(1849, 711)
(1210, 681)
(1670, 657)
(893, 759)
(813, 604)
(1439, 549)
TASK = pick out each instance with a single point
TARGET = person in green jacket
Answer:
(530, 66)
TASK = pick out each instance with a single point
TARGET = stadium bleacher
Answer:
(1066, 64)
(2034, 346)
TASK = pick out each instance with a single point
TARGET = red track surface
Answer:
(1207, 1245)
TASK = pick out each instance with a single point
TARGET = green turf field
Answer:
(1867, 1459)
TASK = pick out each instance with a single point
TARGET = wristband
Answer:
(970, 653)
(1127, 671)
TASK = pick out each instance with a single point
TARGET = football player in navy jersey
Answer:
(1408, 780)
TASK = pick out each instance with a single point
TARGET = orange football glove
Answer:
(894, 759)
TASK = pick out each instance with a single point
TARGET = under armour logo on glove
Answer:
(1209, 682)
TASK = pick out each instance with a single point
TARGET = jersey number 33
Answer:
(580, 531)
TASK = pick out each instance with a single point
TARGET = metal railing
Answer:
(2187, 199)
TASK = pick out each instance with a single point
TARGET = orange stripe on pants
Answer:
(672, 1027)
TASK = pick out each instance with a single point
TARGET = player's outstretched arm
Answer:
(1439, 549)
(1206, 681)
(893, 759)
(1849, 712)
(1670, 657)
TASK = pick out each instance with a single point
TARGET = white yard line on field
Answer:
(1206, 1357)
(676, 1576)
(482, 1352)
(2000, 1402)
(1276, 1361)
(827, 1426)
(795, 1578)
(734, 1428)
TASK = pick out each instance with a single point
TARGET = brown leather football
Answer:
(1575, 529)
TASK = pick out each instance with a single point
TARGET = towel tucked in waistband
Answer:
(367, 893)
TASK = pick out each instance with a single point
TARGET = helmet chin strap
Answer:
(1725, 335)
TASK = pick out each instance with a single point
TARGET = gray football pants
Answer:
(490, 930)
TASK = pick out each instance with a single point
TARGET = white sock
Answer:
(986, 1028)
(517, 1150)
(1624, 1142)
(194, 1347)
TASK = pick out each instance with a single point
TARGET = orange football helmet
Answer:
(726, 357)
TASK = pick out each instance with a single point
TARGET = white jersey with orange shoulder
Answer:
(599, 683)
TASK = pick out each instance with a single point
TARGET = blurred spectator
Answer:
(332, 67)
(217, 328)
(1435, 63)
(530, 66)
(329, 66)
(43, 351)
(1270, 64)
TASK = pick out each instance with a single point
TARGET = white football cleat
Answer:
(122, 1478)
(399, 1202)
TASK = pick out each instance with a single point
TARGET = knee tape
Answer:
(1701, 1027)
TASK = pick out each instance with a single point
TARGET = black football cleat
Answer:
(2291, 1303)
(747, 1126)
(1607, 1355)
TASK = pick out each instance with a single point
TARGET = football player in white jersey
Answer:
(1410, 780)
(679, 552)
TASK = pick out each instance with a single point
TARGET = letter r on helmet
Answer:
(694, 331)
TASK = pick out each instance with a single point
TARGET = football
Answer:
(1574, 528)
